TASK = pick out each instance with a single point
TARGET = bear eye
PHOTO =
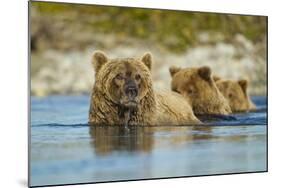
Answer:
(230, 95)
(175, 90)
(119, 77)
(137, 77)
(189, 91)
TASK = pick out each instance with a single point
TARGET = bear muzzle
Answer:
(131, 94)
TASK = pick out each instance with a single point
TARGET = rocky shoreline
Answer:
(70, 72)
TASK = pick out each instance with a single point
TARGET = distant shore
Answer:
(71, 72)
(63, 38)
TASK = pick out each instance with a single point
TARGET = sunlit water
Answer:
(65, 150)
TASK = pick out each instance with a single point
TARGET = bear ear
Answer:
(99, 58)
(205, 73)
(244, 85)
(173, 70)
(216, 78)
(147, 60)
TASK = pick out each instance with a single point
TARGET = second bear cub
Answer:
(236, 93)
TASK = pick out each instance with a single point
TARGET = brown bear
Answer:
(123, 95)
(236, 93)
(200, 90)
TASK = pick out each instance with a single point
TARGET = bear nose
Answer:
(131, 91)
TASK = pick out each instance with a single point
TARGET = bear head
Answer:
(123, 81)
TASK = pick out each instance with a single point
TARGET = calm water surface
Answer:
(65, 150)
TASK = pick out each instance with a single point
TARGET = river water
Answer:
(65, 150)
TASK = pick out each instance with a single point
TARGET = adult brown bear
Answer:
(123, 94)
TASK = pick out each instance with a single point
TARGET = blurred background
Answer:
(64, 36)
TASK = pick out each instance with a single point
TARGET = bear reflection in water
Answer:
(108, 139)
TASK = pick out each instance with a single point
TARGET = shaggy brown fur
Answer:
(200, 90)
(123, 94)
(236, 94)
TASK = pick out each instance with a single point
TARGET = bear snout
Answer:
(131, 90)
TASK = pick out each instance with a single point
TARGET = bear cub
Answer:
(236, 92)
(199, 89)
